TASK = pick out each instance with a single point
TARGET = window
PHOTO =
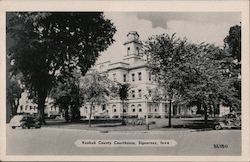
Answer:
(124, 77)
(133, 108)
(114, 77)
(133, 94)
(139, 92)
(137, 49)
(149, 92)
(114, 108)
(21, 107)
(103, 107)
(128, 49)
(139, 107)
(149, 76)
(30, 107)
(26, 107)
(155, 110)
(139, 76)
(133, 77)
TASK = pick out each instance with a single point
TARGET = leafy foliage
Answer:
(14, 92)
(67, 96)
(95, 89)
(191, 73)
(49, 46)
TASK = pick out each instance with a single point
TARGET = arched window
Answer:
(133, 108)
(139, 107)
(114, 108)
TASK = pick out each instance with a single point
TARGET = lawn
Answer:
(116, 125)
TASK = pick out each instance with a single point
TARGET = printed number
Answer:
(220, 146)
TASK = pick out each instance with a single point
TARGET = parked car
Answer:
(24, 121)
(231, 120)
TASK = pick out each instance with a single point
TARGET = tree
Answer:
(95, 89)
(166, 56)
(67, 96)
(193, 73)
(122, 89)
(14, 92)
(233, 65)
(48, 46)
(233, 42)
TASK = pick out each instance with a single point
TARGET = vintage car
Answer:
(231, 120)
(24, 121)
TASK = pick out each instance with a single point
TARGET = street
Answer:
(57, 141)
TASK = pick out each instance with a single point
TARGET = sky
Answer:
(197, 27)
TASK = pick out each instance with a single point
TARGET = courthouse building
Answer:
(132, 69)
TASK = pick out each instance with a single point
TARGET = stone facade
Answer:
(132, 69)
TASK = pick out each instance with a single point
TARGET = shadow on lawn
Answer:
(194, 124)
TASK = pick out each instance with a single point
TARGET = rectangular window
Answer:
(124, 77)
(21, 107)
(139, 76)
(114, 77)
(139, 93)
(137, 49)
(149, 76)
(133, 94)
(103, 107)
(133, 77)
(128, 49)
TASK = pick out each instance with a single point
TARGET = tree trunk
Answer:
(169, 113)
(123, 121)
(13, 108)
(66, 114)
(90, 114)
(205, 113)
(42, 94)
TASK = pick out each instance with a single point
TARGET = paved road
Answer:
(57, 141)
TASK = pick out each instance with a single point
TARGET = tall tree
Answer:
(122, 89)
(190, 72)
(67, 96)
(14, 92)
(48, 46)
(166, 56)
(233, 65)
(95, 89)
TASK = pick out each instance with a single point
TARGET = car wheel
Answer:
(217, 127)
(24, 126)
(13, 127)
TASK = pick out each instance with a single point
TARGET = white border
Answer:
(175, 6)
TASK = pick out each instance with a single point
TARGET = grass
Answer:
(116, 125)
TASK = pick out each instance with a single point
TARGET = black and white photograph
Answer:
(124, 83)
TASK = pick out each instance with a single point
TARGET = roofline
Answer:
(119, 62)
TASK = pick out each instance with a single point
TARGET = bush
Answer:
(157, 116)
(115, 116)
